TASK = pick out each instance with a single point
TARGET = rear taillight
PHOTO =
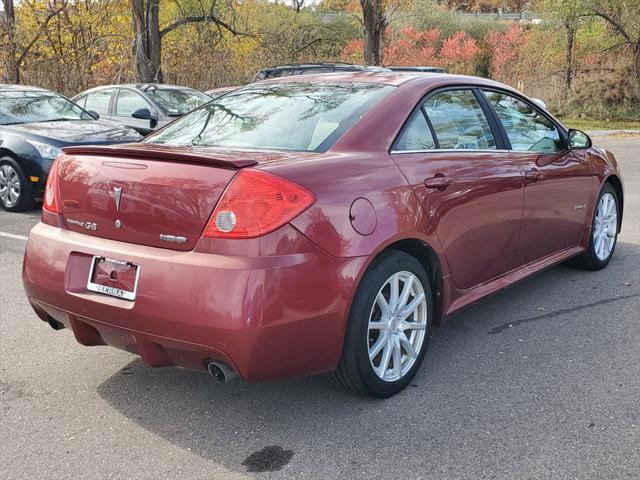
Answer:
(49, 202)
(256, 203)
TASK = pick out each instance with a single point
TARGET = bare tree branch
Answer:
(615, 24)
(41, 30)
(201, 18)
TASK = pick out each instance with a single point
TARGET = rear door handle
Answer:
(439, 181)
(533, 175)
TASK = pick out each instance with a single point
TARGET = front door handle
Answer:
(439, 181)
(533, 175)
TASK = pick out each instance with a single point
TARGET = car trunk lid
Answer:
(142, 194)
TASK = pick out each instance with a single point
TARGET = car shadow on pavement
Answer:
(495, 350)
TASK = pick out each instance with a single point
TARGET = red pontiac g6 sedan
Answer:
(317, 223)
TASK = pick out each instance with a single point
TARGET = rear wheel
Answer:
(604, 232)
(389, 327)
(16, 193)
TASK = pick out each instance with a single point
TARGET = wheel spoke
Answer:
(397, 358)
(409, 309)
(610, 205)
(404, 341)
(384, 306)
(394, 292)
(375, 349)
(384, 362)
(378, 325)
(406, 291)
(413, 326)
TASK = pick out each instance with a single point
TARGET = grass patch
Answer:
(587, 124)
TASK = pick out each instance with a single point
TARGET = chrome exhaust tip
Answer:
(221, 372)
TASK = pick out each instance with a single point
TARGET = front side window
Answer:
(527, 129)
(459, 121)
(99, 101)
(416, 136)
(128, 102)
(281, 116)
(37, 106)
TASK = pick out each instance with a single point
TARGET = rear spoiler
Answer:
(215, 158)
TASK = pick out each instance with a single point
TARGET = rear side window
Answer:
(416, 136)
(527, 129)
(129, 102)
(99, 101)
(459, 121)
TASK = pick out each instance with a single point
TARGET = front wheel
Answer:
(16, 193)
(604, 232)
(389, 327)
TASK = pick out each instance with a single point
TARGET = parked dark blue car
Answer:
(34, 126)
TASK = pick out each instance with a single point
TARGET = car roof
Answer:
(301, 68)
(346, 66)
(397, 79)
(223, 89)
(4, 87)
(418, 69)
(138, 86)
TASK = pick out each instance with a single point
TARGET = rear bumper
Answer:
(266, 316)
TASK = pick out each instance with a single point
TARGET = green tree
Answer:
(15, 51)
(623, 18)
(569, 14)
(148, 35)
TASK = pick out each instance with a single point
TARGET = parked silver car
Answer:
(145, 107)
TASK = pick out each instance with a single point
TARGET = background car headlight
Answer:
(45, 150)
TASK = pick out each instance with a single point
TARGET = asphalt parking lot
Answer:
(540, 381)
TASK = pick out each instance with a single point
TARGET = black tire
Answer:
(26, 200)
(589, 260)
(355, 372)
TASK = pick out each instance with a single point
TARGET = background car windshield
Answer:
(177, 102)
(28, 107)
(292, 116)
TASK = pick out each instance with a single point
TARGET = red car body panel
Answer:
(277, 305)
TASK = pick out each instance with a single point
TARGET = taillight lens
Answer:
(256, 203)
(49, 202)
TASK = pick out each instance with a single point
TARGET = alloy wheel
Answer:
(605, 226)
(10, 186)
(397, 326)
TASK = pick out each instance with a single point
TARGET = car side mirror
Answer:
(578, 140)
(142, 114)
(94, 114)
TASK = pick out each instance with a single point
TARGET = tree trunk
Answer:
(635, 48)
(11, 70)
(147, 42)
(571, 40)
(374, 21)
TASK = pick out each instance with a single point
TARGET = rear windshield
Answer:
(37, 106)
(283, 116)
(176, 102)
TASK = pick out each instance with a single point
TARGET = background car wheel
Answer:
(604, 232)
(16, 193)
(389, 327)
